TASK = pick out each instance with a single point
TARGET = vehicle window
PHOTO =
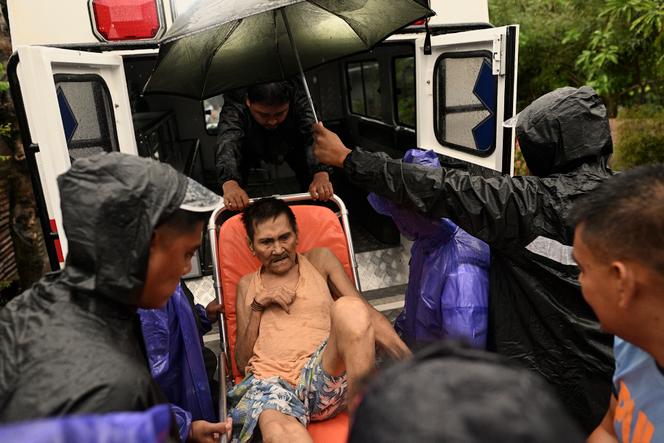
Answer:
(212, 109)
(404, 84)
(364, 85)
(87, 115)
(465, 94)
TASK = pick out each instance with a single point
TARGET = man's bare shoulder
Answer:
(321, 258)
(243, 284)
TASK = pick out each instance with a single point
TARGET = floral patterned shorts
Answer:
(317, 396)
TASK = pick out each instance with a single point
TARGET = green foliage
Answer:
(6, 130)
(616, 46)
(552, 35)
(624, 56)
(520, 167)
(640, 136)
(4, 85)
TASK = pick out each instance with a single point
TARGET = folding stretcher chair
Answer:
(318, 226)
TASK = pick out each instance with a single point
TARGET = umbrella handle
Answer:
(299, 65)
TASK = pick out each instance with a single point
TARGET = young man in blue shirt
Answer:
(619, 247)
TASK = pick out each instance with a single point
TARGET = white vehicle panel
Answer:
(61, 22)
(36, 70)
(485, 44)
(457, 12)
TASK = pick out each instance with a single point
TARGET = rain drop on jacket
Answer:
(537, 314)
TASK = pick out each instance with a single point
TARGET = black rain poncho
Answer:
(537, 313)
(72, 343)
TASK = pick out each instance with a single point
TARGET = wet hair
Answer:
(183, 221)
(271, 94)
(449, 393)
(623, 218)
(263, 210)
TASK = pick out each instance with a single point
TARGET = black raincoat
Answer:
(537, 313)
(242, 142)
(72, 343)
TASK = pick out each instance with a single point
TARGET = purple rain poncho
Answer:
(448, 285)
(174, 349)
(151, 426)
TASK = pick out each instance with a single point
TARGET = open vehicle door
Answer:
(466, 89)
(71, 105)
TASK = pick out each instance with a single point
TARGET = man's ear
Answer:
(247, 102)
(155, 239)
(625, 281)
(251, 246)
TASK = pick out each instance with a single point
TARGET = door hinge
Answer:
(498, 64)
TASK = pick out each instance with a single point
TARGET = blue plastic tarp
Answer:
(448, 285)
(174, 349)
(151, 426)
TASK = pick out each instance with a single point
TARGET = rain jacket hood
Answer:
(112, 204)
(563, 129)
(72, 343)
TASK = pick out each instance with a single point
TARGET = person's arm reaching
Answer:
(605, 432)
(320, 187)
(501, 211)
(341, 286)
(232, 125)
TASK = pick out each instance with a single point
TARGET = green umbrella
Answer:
(219, 45)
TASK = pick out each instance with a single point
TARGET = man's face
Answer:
(598, 283)
(170, 258)
(268, 116)
(274, 244)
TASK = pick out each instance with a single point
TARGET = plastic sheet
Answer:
(448, 285)
(175, 355)
(151, 426)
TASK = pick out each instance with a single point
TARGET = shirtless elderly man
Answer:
(305, 336)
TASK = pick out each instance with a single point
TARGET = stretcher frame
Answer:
(224, 362)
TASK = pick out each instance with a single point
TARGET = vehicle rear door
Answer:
(466, 89)
(72, 104)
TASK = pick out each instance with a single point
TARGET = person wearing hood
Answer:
(536, 312)
(72, 343)
(448, 283)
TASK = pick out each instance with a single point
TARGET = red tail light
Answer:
(126, 19)
(418, 22)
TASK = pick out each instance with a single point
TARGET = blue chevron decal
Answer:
(485, 90)
(69, 121)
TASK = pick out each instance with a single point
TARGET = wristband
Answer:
(257, 307)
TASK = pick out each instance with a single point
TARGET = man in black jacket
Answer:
(72, 343)
(536, 312)
(271, 124)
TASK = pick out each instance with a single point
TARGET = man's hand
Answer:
(212, 310)
(202, 431)
(320, 187)
(278, 295)
(328, 147)
(234, 196)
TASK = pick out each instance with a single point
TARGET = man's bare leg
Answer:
(277, 427)
(351, 346)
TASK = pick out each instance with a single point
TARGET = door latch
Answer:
(498, 63)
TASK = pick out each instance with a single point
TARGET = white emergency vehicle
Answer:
(79, 68)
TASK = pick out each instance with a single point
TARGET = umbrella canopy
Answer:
(219, 45)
